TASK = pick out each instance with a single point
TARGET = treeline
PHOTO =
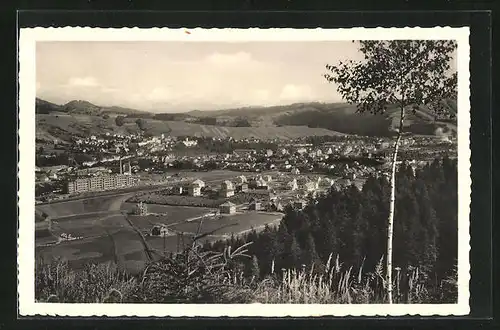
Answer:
(352, 224)
(344, 122)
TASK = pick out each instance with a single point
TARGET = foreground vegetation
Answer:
(197, 277)
(330, 252)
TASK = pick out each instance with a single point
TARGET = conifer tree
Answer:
(310, 255)
(252, 269)
(405, 73)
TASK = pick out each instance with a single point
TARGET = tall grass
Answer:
(95, 283)
(336, 285)
(209, 277)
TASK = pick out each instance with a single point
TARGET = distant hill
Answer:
(64, 126)
(295, 120)
(81, 107)
(42, 106)
(341, 117)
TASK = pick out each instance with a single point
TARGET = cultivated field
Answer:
(63, 126)
(79, 206)
(166, 215)
(230, 224)
(99, 229)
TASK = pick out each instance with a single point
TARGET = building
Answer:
(101, 182)
(299, 204)
(255, 205)
(159, 230)
(260, 183)
(241, 179)
(326, 182)
(272, 196)
(194, 190)
(200, 183)
(292, 185)
(295, 171)
(301, 151)
(141, 209)
(227, 208)
(242, 187)
(190, 143)
(269, 152)
(125, 168)
(310, 186)
(227, 188)
(177, 190)
(276, 206)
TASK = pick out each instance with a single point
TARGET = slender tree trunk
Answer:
(390, 224)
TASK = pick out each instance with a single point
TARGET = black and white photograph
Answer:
(276, 172)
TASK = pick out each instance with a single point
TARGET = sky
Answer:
(182, 76)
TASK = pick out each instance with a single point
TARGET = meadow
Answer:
(229, 224)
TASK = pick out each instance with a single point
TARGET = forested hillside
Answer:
(352, 224)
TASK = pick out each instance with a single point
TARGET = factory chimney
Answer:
(129, 168)
(121, 167)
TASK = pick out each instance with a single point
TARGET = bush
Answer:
(141, 123)
(120, 120)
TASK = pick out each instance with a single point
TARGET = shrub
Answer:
(120, 120)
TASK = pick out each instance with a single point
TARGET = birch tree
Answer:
(411, 75)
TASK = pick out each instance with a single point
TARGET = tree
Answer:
(407, 74)
(119, 120)
(242, 122)
(141, 123)
(252, 268)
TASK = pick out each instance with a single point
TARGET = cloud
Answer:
(158, 94)
(291, 92)
(83, 82)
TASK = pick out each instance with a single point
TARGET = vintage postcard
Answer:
(244, 172)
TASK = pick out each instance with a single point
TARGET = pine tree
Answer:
(292, 254)
(252, 269)
(310, 255)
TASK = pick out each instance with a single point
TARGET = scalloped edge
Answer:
(27, 40)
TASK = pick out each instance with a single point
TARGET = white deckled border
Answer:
(26, 189)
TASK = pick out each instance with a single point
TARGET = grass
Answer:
(228, 224)
(68, 208)
(194, 276)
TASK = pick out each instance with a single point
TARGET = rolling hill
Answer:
(341, 117)
(64, 126)
(81, 107)
(290, 121)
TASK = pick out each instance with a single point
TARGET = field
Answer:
(63, 126)
(79, 206)
(168, 215)
(102, 230)
(229, 224)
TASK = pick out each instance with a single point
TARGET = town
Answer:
(114, 161)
